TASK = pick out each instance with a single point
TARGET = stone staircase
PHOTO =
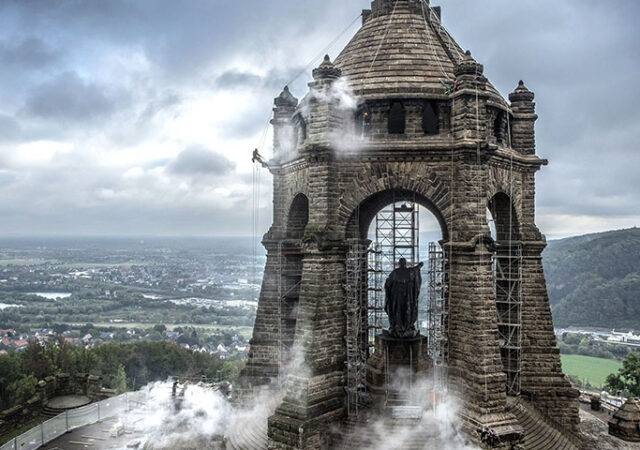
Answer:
(248, 435)
(538, 433)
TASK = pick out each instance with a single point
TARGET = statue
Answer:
(401, 299)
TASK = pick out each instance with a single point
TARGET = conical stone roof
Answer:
(403, 50)
(625, 423)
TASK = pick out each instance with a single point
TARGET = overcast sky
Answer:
(138, 117)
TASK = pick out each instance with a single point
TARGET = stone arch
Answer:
(298, 216)
(505, 217)
(365, 211)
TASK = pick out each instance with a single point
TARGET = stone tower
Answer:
(403, 112)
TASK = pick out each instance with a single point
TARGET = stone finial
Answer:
(285, 99)
(326, 71)
(521, 94)
(625, 423)
(468, 66)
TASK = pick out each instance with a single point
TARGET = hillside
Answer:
(594, 280)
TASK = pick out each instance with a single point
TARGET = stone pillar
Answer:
(543, 381)
(315, 382)
(469, 112)
(284, 135)
(475, 370)
(263, 364)
(523, 137)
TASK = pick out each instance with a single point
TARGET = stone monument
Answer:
(402, 289)
(428, 127)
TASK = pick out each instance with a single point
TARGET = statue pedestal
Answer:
(398, 362)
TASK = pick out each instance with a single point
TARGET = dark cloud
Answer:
(123, 71)
(198, 160)
(161, 103)
(9, 129)
(29, 53)
(233, 79)
(68, 98)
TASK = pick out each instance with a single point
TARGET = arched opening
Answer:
(507, 273)
(387, 226)
(365, 213)
(301, 128)
(430, 119)
(298, 216)
(397, 118)
(290, 274)
(504, 218)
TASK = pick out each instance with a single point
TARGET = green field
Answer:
(594, 370)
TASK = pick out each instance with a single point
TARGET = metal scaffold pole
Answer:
(356, 336)
(508, 284)
(438, 311)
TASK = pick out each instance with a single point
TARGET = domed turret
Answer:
(402, 49)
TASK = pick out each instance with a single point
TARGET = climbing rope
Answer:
(430, 41)
(323, 51)
(384, 37)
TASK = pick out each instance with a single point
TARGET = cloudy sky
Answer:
(138, 117)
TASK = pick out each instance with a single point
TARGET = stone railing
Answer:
(54, 386)
(75, 418)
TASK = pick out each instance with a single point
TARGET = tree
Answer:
(628, 377)
(22, 390)
(119, 382)
(160, 328)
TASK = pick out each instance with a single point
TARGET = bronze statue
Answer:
(401, 299)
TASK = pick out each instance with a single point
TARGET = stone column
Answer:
(315, 380)
(543, 381)
(263, 362)
(476, 378)
(284, 136)
(523, 137)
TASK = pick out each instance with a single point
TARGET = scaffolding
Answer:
(375, 295)
(507, 265)
(438, 311)
(356, 338)
(397, 234)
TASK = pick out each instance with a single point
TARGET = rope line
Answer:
(324, 51)
(452, 43)
(430, 40)
(384, 37)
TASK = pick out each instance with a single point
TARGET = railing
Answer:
(74, 418)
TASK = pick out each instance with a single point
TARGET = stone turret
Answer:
(323, 118)
(470, 99)
(523, 138)
(283, 128)
(625, 423)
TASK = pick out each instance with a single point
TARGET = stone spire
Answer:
(468, 66)
(326, 71)
(285, 99)
(521, 94)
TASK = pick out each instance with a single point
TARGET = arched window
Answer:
(363, 121)
(301, 126)
(298, 216)
(505, 218)
(499, 127)
(397, 118)
(430, 119)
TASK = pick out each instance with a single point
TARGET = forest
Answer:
(122, 366)
(594, 280)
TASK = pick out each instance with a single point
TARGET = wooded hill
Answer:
(594, 280)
